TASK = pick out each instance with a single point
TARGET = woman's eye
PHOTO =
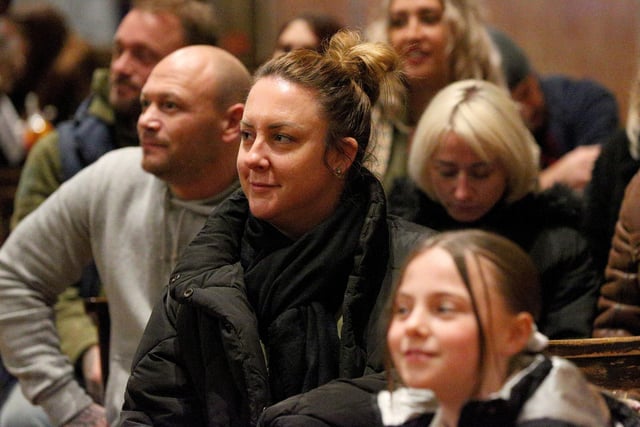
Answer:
(397, 21)
(430, 18)
(447, 172)
(283, 138)
(481, 172)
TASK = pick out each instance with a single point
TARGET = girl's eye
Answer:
(445, 308)
(144, 104)
(401, 310)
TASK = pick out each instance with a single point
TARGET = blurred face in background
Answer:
(297, 35)
(141, 41)
(528, 94)
(419, 33)
(13, 54)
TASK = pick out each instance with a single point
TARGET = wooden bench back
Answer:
(611, 363)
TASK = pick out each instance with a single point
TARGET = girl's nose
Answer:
(417, 324)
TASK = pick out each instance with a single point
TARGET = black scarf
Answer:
(297, 288)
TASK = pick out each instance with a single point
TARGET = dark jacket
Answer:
(619, 302)
(200, 361)
(529, 399)
(579, 112)
(546, 225)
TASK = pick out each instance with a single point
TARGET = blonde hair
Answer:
(472, 55)
(488, 120)
(349, 77)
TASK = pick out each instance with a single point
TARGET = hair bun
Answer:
(374, 67)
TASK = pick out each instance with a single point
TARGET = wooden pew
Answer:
(611, 363)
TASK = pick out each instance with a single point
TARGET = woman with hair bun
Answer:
(282, 289)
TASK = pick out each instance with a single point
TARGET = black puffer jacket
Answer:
(200, 362)
(546, 225)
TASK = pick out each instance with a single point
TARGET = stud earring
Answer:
(338, 172)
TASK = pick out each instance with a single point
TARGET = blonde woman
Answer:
(474, 164)
(439, 41)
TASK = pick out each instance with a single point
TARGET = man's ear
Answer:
(231, 123)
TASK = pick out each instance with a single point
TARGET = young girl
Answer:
(462, 326)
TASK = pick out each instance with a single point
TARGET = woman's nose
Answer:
(463, 188)
(256, 156)
(413, 30)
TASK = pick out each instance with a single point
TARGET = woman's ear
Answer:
(231, 123)
(520, 332)
(345, 157)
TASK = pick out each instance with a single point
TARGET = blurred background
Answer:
(598, 39)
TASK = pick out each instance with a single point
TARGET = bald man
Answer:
(131, 212)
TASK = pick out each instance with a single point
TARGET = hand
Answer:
(573, 169)
(92, 373)
(91, 416)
